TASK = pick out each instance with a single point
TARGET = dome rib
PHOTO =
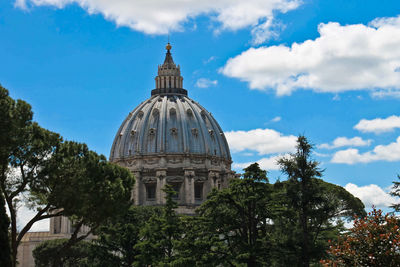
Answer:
(169, 122)
(156, 131)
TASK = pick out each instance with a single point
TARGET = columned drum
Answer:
(171, 139)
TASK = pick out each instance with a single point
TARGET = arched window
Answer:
(57, 225)
(151, 191)
(177, 188)
(198, 191)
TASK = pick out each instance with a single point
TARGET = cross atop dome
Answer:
(168, 57)
(169, 79)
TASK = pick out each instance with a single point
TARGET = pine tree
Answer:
(160, 235)
(5, 252)
(314, 207)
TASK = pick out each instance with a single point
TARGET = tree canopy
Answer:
(54, 177)
(314, 207)
(5, 255)
(373, 240)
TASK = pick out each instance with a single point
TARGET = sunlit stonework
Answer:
(167, 139)
(171, 139)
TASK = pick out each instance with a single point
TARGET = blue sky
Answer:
(267, 70)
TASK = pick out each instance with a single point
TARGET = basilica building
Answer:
(171, 139)
(167, 139)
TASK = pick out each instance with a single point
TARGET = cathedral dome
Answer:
(171, 139)
(169, 123)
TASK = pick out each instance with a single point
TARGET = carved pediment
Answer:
(174, 160)
(149, 180)
(200, 179)
(174, 179)
(197, 160)
(215, 162)
(151, 161)
(131, 163)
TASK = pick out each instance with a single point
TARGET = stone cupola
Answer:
(172, 139)
(169, 79)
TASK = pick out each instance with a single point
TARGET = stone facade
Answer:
(171, 139)
(168, 139)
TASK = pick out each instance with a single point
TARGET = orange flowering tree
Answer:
(373, 241)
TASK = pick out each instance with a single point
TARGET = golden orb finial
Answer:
(168, 47)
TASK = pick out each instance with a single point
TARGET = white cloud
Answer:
(163, 16)
(268, 164)
(344, 141)
(386, 94)
(263, 141)
(212, 58)
(204, 83)
(378, 125)
(276, 119)
(371, 195)
(390, 152)
(24, 215)
(350, 57)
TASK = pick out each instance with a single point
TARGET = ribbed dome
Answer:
(171, 139)
(169, 124)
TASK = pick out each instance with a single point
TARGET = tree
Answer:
(5, 255)
(24, 147)
(373, 241)
(116, 241)
(114, 244)
(325, 222)
(75, 255)
(234, 224)
(313, 206)
(396, 193)
(160, 235)
(54, 177)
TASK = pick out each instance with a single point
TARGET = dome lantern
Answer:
(169, 79)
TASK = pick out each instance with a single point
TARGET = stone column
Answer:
(189, 187)
(161, 174)
(213, 177)
(136, 189)
(65, 225)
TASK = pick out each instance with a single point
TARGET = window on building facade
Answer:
(198, 191)
(177, 188)
(151, 191)
(57, 225)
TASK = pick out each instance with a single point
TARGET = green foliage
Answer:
(55, 177)
(396, 193)
(100, 189)
(5, 252)
(76, 255)
(24, 150)
(373, 241)
(115, 245)
(312, 207)
(160, 235)
(325, 221)
(233, 226)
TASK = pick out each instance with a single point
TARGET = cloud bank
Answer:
(205, 83)
(378, 125)
(371, 195)
(163, 16)
(390, 152)
(268, 164)
(344, 141)
(263, 141)
(343, 58)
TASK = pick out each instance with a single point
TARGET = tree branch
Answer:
(31, 222)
